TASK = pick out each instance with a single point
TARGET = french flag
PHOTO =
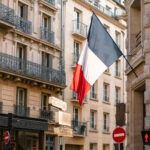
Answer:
(99, 52)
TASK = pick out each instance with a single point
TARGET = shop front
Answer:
(25, 133)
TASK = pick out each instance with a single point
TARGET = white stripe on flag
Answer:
(92, 66)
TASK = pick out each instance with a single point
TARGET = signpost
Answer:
(6, 137)
(119, 135)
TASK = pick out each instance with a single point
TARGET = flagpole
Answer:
(130, 65)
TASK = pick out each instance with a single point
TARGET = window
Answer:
(21, 97)
(93, 146)
(106, 92)
(93, 119)
(117, 38)
(23, 11)
(107, 28)
(76, 52)
(106, 147)
(47, 22)
(93, 94)
(75, 114)
(45, 99)
(77, 18)
(117, 94)
(106, 122)
(50, 142)
(47, 60)
(117, 68)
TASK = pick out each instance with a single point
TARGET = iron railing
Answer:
(101, 8)
(31, 69)
(1, 105)
(47, 35)
(47, 114)
(79, 128)
(79, 28)
(23, 25)
(7, 14)
(20, 110)
(52, 2)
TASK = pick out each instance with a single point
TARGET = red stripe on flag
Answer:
(79, 84)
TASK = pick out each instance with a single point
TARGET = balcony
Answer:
(52, 2)
(47, 114)
(11, 64)
(23, 25)
(1, 105)
(20, 110)
(47, 35)
(74, 98)
(79, 128)
(6, 16)
(101, 8)
(79, 29)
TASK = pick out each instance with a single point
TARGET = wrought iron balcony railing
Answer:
(47, 114)
(1, 105)
(20, 110)
(31, 69)
(101, 8)
(23, 25)
(79, 128)
(7, 14)
(52, 2)
(47, 35)
(79, 28)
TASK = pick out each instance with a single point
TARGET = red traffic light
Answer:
(146, 137)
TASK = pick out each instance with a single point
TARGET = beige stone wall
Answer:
(98, 105)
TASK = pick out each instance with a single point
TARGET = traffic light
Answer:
(146, 137)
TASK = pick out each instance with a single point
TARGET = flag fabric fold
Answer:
(99, 52)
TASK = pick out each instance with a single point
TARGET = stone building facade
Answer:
(30, 49)
(93, 122)
(138, 52)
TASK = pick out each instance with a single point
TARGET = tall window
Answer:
(117, 93)
(21, 97)
(93, 119)
(23, 11)
(75, 113)
(93, 146)
(93, 91)
(106, 122)
(117, 68)
(106, 92)
(76, 52)
(45, 99)
(47, 22)
(77, 18)
(117, 38)
(47, 60)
